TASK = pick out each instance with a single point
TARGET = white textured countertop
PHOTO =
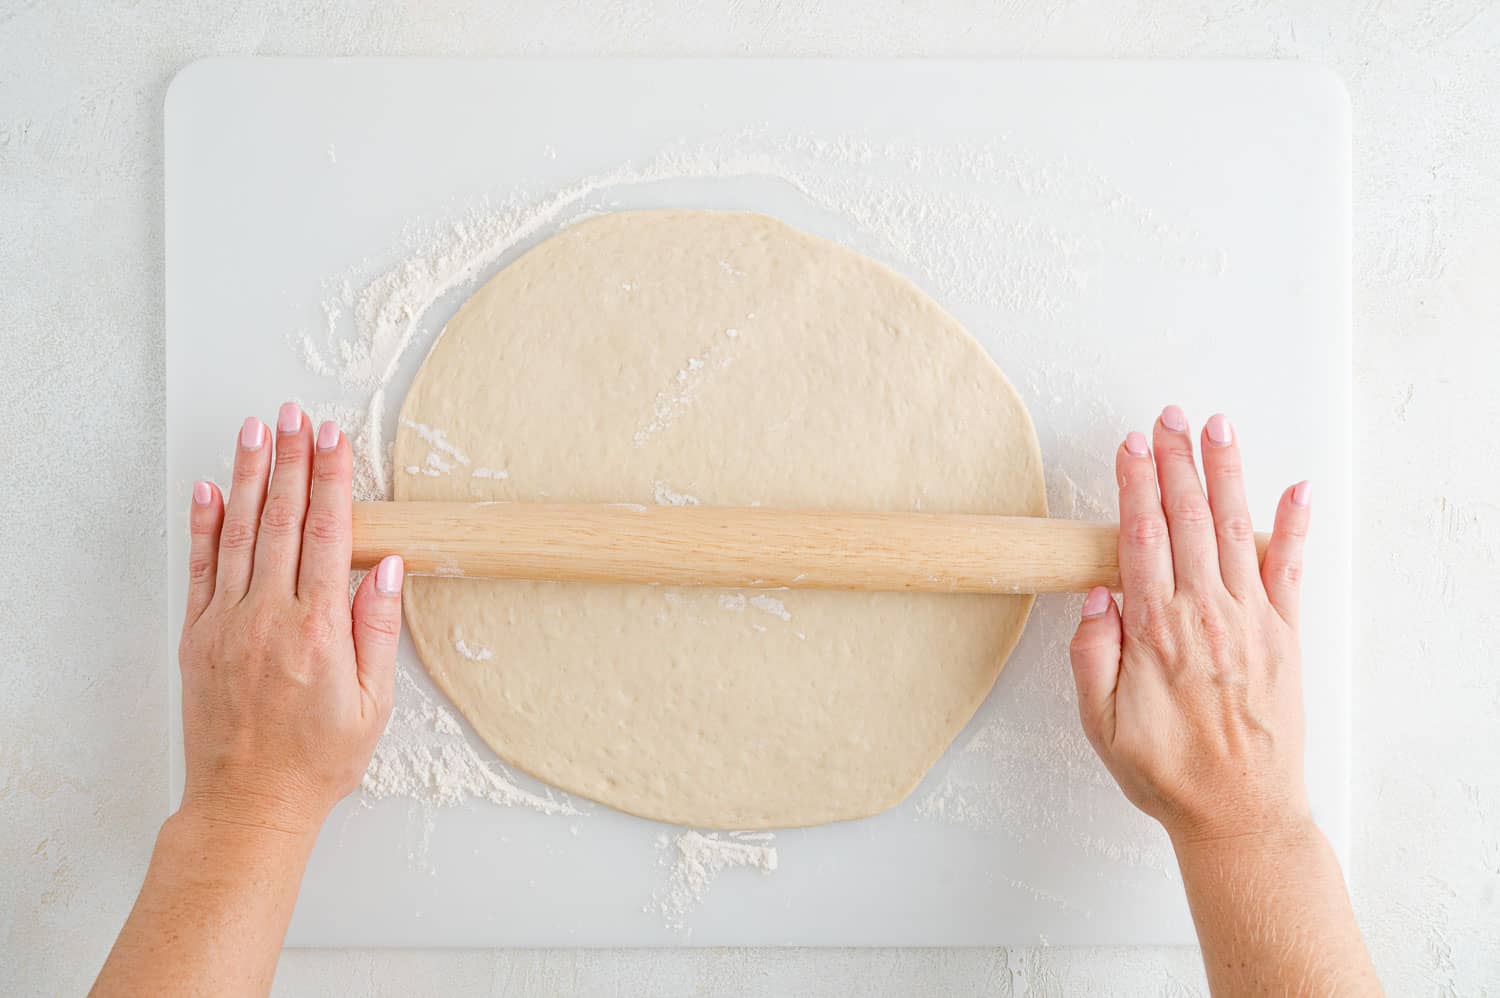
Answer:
(82, 763)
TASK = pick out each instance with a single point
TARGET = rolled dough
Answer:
(723, 358)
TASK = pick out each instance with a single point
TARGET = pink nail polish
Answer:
(1220, 433)
(289, 418)
(252, 434)
(1302, 493)
(1174, 419)
(388, 575)
(1135, 443)
(1096, 603)
(203, 493)
(328, 435)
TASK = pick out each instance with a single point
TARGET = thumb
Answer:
(1095, 651)
(377, 628)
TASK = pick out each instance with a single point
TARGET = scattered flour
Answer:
(683, 390)
(437, 440)
(697, 859)
(474, 653)
(771, 605)
(665, 495)
(425, 756)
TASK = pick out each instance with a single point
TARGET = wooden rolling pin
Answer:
(753, 548)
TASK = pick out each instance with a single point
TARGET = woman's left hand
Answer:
(285, 686)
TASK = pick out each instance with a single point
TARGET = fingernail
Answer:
(203, 493)
(388, 575)
(1135, 443)
(252, 434)
(328, 435)
(1220, 433)
(1301, 493)
(1174, 419)
(289, 418)
(1096, 603)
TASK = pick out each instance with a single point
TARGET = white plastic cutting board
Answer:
(1145, 232)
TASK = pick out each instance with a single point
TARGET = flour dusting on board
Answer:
(695, 861)
(424, 755)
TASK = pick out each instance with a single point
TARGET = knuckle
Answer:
(248, 470)
(1086, 645)
(1214, 629)
(328, 468)
(280, 517)
(1289, 573)
(1177, 447)
(324, 526)
(1156, 631)
(1235, 528)
(1228, 470)
(1152, 621)
(1209, 621)
(264, 625)
(289, 451)
(381, 628)
(1135, 474)
(200, 569)
(1189, 511)
(1146, 530)
(237, 535)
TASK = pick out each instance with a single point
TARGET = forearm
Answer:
(213, 911)
(1273, 915)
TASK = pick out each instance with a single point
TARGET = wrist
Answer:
(196, 826)
(253, 800)
(1240, 814)
(1285, 835)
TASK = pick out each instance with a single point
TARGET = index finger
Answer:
(327, 533)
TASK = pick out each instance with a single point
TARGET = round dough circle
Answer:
(725, 358)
